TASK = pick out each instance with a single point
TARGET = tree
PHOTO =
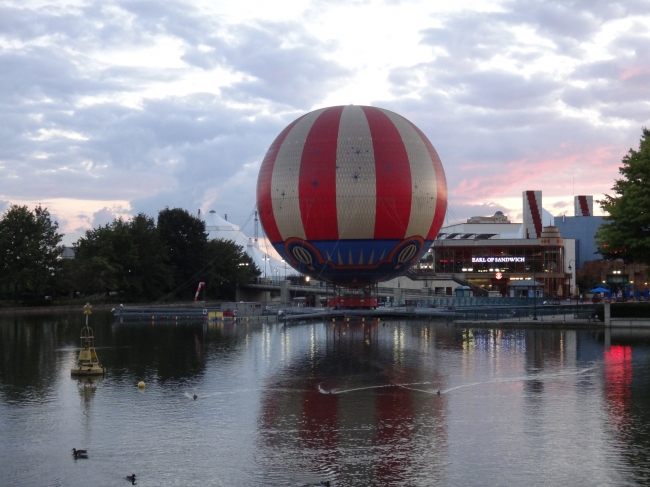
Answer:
(228, 266)
(185, 240)
(626, 231)
(96, 275)
(29, 249)
(589, 276)
(126, 256)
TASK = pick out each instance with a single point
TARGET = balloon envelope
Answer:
(352, 195)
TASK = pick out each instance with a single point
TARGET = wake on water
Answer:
(550, 376)
(413, 385)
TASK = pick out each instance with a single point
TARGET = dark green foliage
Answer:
(185, 239)
(137, 259)
(126, 256)
(228, 265)
(626, 231)
(142, 261)
(29, 249)
(92, 276)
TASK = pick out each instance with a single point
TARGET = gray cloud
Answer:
(618, 85)
(181, 151)
(487, 122)
(470, 36)
(496, 126)
(501, 90)
(562, 204)
(296, 75)
(103, 216)
(569, 23)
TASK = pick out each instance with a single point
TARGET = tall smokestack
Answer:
(583, 205)
(532, 213)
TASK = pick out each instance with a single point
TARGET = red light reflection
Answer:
(618, 379)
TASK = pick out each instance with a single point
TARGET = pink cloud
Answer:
(633, 71)
(591, 172)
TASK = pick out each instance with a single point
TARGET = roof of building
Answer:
(261, 251)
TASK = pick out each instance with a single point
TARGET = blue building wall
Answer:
(583, 229)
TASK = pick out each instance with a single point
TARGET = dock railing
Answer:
(589, 313)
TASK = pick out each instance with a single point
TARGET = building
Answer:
(262, 253)
(68, 252)
(582, 227)
(492, 253)
(493, 264)
(498, 217)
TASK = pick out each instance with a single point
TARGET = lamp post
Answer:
(570, 269)
(266, 257)
(534, 290)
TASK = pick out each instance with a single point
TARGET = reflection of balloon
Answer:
(351, 194)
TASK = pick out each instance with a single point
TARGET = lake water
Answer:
(356, 405)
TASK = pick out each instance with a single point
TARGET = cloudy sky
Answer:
(116, 107)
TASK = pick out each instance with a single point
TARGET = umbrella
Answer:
(560, 292)
(600, 290)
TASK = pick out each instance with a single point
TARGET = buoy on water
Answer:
(88, 362)
(141, 384)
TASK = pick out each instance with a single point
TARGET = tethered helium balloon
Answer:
(351, 195)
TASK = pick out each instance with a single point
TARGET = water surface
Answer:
(361, 404)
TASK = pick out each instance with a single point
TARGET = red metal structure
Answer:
(349, 302)
(198, 290)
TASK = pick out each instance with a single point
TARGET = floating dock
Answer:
(506, 315)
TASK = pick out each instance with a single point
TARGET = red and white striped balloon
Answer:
(355, 175)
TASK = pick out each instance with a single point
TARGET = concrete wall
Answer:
(255, 295)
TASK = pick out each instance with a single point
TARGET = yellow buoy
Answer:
(141, 384)
(88, 362)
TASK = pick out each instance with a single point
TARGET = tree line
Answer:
(140, 259)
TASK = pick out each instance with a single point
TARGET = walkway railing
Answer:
(450, 301)
(544, 313)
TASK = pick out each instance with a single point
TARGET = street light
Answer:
(266, 257)
(571, 268)
(534, 290)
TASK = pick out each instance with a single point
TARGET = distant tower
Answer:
(532, 203)
(583, 205)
